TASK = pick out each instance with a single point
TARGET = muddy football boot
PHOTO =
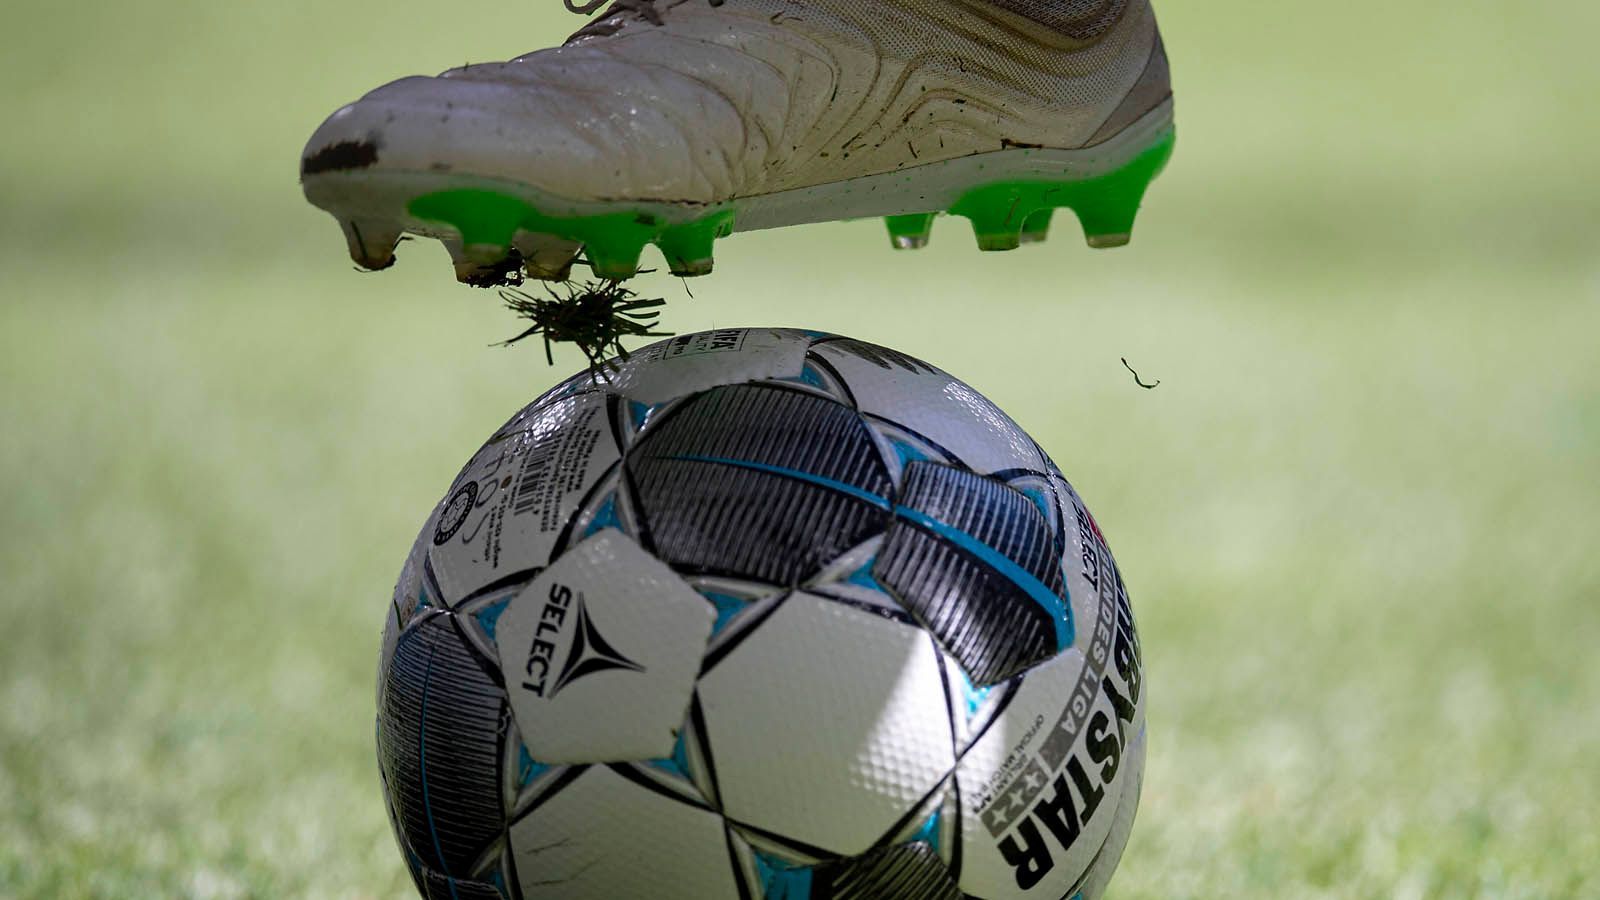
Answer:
(677, 122)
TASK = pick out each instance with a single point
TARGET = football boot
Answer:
(678, 122)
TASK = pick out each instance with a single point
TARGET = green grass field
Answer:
(1360, 517)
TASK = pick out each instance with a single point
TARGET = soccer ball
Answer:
(761, 614)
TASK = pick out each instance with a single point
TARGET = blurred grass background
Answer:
(1360, 516)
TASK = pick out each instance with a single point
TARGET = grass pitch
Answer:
(1359, 516)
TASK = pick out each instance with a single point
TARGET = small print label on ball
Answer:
(514, 500)
(685, 365)
(725, 341)
(455, 513)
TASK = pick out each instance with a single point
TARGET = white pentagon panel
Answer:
(510, 505)
(606, 838)
(600, 653)
(902, 390)
(690, 363)
(827, 724)
(1042, 785)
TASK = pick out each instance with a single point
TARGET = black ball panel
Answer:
(439, 733)
(758, 482)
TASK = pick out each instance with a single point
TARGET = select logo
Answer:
(587, 653)
(603, 606)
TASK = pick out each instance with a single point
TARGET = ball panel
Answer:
(510, 507)
(439, 734)
(605, 627)
(1104, 864)
(758, 481)
(409, 587)
(1046, 780)
(605, 837)
(572, 385)
(906, 872)
(924, 401)
(1000, 771)
(827, 724)
(1008, 785)
(1043, 492)
(411, 594)
(388, 643)
(688, 363)
(440, 887)
(977, 563)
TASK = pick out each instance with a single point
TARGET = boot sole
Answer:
(497, 230)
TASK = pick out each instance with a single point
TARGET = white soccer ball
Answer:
(761, 615)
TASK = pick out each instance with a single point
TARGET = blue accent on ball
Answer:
(1039, 499)
(862, 577)
(909, 454)
(974, 696)
(929, 832)
(678, 762)
(727, 607)
(1059, 611)
(527, 769)
(809, 375)
(849, 490)
(489, 616)
(605, 517)
(782, 881)
(640, 414)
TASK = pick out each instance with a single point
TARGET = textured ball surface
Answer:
(761, 615)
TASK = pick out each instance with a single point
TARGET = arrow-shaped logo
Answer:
(590, 653)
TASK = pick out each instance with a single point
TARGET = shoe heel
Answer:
(371, 242)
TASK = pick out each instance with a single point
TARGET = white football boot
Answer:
(676, 122)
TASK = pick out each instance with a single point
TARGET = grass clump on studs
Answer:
(595, 316)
